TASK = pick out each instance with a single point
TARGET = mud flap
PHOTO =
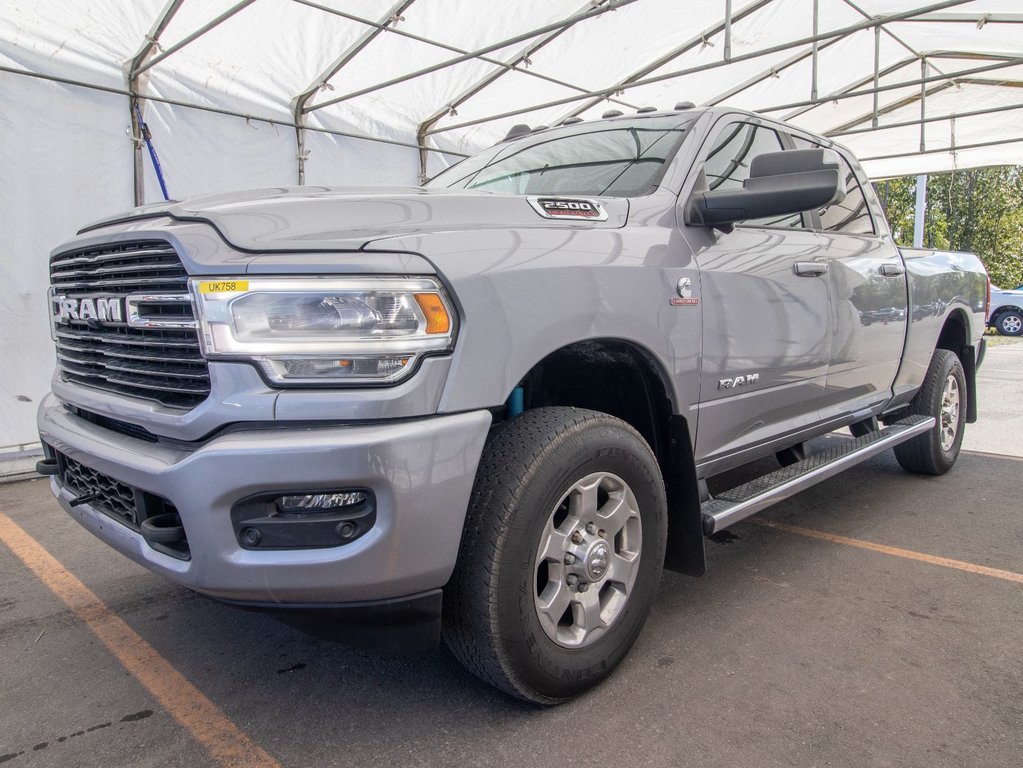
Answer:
(685, 553)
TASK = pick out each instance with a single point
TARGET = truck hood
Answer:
(348, 218)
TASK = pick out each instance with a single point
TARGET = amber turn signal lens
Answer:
(437, 320)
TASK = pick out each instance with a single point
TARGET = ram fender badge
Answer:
(685, 293)
(739, 381)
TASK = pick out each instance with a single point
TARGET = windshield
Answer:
(621, 158)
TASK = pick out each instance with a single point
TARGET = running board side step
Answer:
(739, 503)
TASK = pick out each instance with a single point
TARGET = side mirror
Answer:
(779, 184)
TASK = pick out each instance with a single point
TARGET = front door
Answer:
(766, 315)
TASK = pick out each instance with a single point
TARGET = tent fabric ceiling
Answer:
(255, 57)
(389, 90)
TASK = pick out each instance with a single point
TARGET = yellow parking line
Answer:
(228, 745)
(909, 554)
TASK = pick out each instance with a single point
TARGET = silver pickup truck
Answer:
(489, 407)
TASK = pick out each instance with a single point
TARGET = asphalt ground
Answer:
(874, 620)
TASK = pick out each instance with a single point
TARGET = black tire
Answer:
(926, 454)
(1009, 323)
(492, 620)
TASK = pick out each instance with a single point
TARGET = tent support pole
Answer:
(877, 71)
(728, 27)
(816, 49)
(932, 119)
(298, 104)
(135, 103)
(960, 75)
(923, 104)
(240, 6)
(592, 99)
(446, 47)
(218, 111)
(940, 150)
(769, 72)
(521, 58)
(921, 181)
(597, 95)
(921, 211)
(611, 5)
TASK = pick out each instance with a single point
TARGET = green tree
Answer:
(978, 210)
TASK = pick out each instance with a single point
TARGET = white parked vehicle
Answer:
(1006, 313)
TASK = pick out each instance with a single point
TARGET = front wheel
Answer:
(943, 395)
(561, 555)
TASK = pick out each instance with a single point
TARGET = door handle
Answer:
(810, 268)
(892, 270)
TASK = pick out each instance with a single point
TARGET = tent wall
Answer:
(65, 159)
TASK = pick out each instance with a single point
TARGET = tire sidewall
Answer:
(546, 668)
(951, 366)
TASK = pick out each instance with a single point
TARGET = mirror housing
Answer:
(780, 183)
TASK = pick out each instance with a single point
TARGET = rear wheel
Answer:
(1010, 323)
(561, 555)
(943, 395)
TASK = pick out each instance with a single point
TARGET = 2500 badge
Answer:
(568, 208)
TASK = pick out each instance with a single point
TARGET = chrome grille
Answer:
(152, 350)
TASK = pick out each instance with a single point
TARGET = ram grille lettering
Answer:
(97, 308)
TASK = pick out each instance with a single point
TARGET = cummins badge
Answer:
(685, 293)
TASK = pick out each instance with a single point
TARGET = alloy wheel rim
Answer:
(587, 560)
(949, 418)
(1012, 324)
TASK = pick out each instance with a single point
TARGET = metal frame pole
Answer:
(597, 95)
(483, 83)
(135, 105)
(933, 119)
(728, 28)
(938, 151)
(919, 220)
(452, 48)
(816, 49)
(219, 111)
(877, 70)
(610, 6)
(299, 102)
(920, 215)
(852, 94)
(240, 6)
(637, 75)
(923, 104)
(770, 72)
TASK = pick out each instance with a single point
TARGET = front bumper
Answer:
(421, 472)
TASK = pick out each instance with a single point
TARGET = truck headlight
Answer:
(368, 330)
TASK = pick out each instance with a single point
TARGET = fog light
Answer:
(318, 502)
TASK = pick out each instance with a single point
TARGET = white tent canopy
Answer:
(240, 93)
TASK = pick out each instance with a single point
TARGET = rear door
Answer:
(869, 299)
(765, 302)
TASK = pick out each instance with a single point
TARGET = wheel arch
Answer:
(625, 380)
(955, 337)
(1002, 308)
